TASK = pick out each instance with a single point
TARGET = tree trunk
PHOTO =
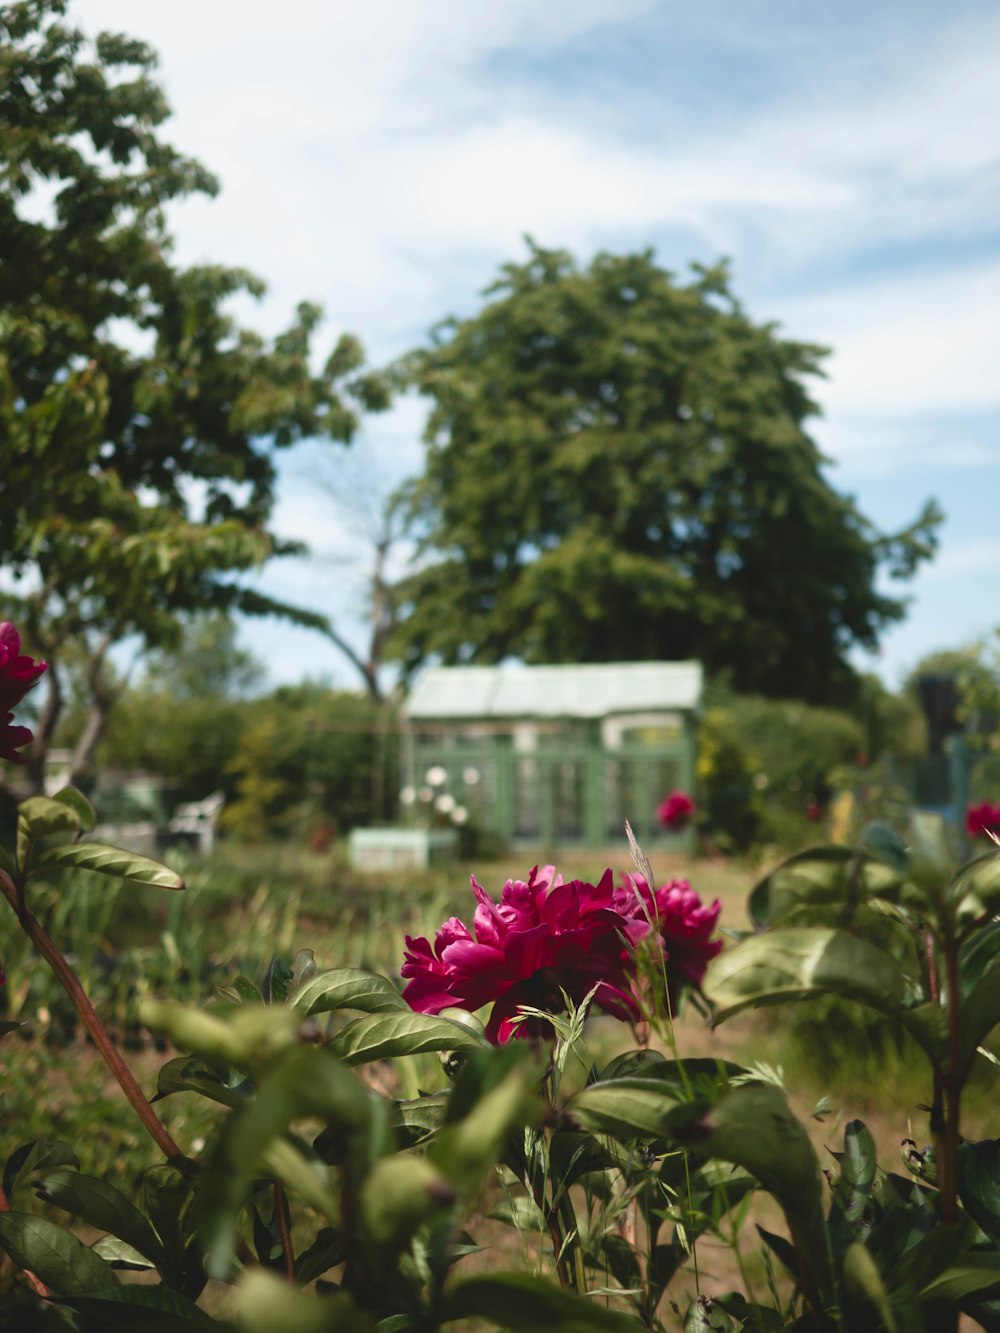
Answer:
(44, 729)
(102, 697)
(94, 728)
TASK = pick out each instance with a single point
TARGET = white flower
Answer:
(407, 796)
(445, 803)
(426, 794)
(459, 815)
(470, 777)
(436, 776)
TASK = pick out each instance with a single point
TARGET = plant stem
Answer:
(281, 1215)
(571, 1244)
(36, 932)
(952, 1086)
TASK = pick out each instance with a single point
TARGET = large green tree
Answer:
(618, 467)
(139, 422)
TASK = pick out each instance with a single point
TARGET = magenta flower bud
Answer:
(676, 812)
(18, 674)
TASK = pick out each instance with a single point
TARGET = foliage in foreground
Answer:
(329, 1197)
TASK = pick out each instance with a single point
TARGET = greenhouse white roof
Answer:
(591, 691)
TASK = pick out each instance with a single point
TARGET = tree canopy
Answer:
(617, 467)
(138, 421)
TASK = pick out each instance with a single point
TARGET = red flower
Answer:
(544, 937)
(814, 811)
(17, 675)
(12, 739)
(684, 924)
(983, 819)
(676, 811)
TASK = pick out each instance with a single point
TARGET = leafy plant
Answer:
(353, 1145)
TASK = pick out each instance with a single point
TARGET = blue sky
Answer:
(384, 157)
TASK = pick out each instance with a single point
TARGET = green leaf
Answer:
(35, 1156)
(758, 1318)
(795, 963)
(572, 1155)
(347, 988)
(466, 1149)
(249, 1036)
(978, 954)
(152, 1309)
(399, 1194)
(327, 1250)
(978, 1014)
(933, 1254)
(783, 1250)
(381, 1036)
(422, 1115)
(267, 1303)
(100, 1205)
(121, 1255)
(278, 982)
(857, 1170)
(927, 1024)
(113, 862)
(697, 1073)
(885, 844)
(38, 819)
(245, 990)
(974, 1273)
(530, 1305)
(629, 1108)
(78, 803)
(307, 1082)
(979, 1183)
(45, 815)
(64, 1264)
(864, 1283)
(187, 1074)
(704, 1316)
(976, 890)
(754, 1127)
(822, 877)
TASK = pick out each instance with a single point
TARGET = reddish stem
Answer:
(36, 932)
(283, 1231)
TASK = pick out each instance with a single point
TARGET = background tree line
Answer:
(617, 461)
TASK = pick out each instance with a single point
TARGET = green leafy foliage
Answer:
(614, 456)
(354, 1144)
(62, 1262)
(123, 375)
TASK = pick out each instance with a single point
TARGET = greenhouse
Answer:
(554, 755)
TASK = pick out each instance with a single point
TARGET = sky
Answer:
(385, 157)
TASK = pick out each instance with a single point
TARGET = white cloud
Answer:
(908, 345)
(959, 561)
(368, 157)
(373, 159)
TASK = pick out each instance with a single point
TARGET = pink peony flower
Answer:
(676, 811)
(544, 937)
(12, 739)
(684, 923)
(983, 819)
(17, 675)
